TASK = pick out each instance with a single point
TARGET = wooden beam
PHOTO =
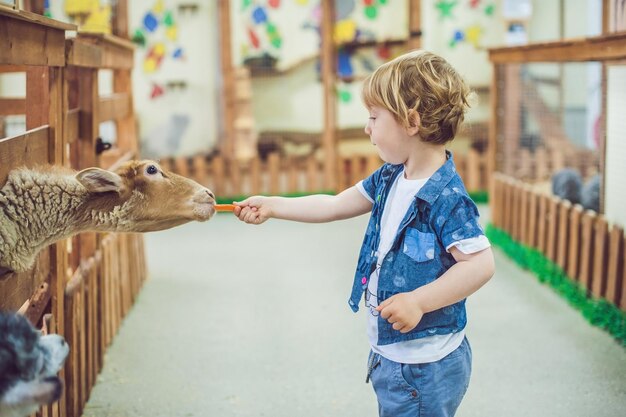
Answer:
(113, 107)
(71, 126)
(100, 51)
(28, 149)
(330, 99)
(24, 42)
(37, 19)
(415, 25)
(11, 106)
(599, 48)
(228, 75)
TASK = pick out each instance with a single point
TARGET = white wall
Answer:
(615, 182)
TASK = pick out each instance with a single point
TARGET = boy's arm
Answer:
(472, 271)
(316, 208)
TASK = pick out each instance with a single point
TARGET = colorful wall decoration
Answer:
(158, 38)
(90, 15)
(467, 19)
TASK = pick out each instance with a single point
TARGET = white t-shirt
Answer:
(426, 349)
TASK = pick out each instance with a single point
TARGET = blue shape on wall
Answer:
(259, 15)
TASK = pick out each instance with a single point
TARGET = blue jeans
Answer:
(421, 390)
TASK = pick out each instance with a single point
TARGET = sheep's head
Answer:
(153, 199)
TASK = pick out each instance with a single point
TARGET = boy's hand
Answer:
(253, 210)
(402, 311)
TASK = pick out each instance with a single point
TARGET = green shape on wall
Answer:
(371, 12)
(445, 8)
(168, 20)
(344, 96)
(245, 3)
(277, 42)
(490, 9)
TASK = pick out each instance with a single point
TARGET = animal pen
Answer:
(580, 252)
(251, 159)
(82, 287)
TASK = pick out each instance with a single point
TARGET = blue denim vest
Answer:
(443, 213)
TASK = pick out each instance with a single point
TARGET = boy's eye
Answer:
(372, 118)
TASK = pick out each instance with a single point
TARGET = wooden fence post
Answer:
(616, 264)
(600, 257)
(574, 241)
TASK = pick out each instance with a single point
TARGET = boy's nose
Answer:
(367, 128)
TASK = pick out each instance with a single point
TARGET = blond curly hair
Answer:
(423, 82)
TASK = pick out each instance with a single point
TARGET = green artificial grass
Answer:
(598, 312)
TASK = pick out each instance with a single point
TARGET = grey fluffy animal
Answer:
(41, 206)
(567, 184)
(590, 194)
(29, 363)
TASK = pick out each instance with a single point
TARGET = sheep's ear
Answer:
(98, 180)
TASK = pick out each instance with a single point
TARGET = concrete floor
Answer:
(238, 320)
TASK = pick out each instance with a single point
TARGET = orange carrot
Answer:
(224, 207)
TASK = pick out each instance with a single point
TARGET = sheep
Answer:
(29, 363)
(590, 195)
(42, 205)
(566, 184)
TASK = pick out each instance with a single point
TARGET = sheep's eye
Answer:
(152, 170)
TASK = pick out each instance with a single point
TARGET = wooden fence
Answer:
(280, 174)
(82, 287)
(582, 243)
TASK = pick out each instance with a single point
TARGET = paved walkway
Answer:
(238, 320)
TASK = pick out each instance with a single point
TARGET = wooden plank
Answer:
(600, 257)
(472, 173)
(71, 126)
(587, 251)
(99, 52)
(13, 68)
(126, 127)
(28, 149)
(27, 43)
(273, 161)
(37, 96)
(542, 226)
(614, 281)
(200, 169)
(311, 174)
(83, 54)
(181, 166)
(113, 107)
(564, 209)
(553, 225)
(327, 57)
(574, 244)
(255, 175)
(33, 308)
(622, 300)
(217, 175)
(523, 202)
(292, 175)
(36, 19)
(533, 207)
(228, 77)
(11, 106)
(599, 48)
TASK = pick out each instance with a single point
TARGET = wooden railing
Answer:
(82, 287)
(582, 243)
(298, 175)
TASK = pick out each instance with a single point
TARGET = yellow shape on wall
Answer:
(345, 31)
(98, 21)
(80, 6)
(171, 33)
(473, 34)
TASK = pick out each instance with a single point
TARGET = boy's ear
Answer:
(414, 123)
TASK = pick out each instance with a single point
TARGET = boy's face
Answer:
(389, 136)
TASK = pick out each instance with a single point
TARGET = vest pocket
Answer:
(419, 246)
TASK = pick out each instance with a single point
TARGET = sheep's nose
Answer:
(210, 193)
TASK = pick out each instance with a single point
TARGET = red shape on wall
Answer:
(274, 3)
(254, 39)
